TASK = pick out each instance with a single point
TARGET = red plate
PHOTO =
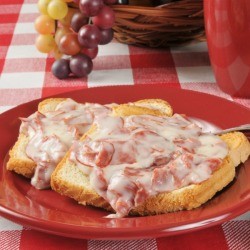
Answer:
(49, 212)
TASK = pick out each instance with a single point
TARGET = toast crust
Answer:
(189, 197)
(18, 161)
(155, 107)
(80, 189)
(49, 104)
(185, 198)
(239, 149)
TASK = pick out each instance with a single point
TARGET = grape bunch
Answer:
(72, 30)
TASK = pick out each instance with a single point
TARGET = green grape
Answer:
(57, 9)
(45, 43)
(42, 6)
(45, 25)
(60, 32)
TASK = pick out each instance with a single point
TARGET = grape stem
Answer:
(73, 5)
(56, 26)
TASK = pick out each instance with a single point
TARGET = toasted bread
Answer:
(239, 147)
(69, 180)
(20, 163)
(156, 107)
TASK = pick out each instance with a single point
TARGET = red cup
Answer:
(227, 25)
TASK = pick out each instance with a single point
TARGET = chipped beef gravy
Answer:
(132, 158)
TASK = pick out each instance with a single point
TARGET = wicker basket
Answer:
(175, 23)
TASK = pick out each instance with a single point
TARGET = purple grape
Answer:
(80, 65)
(78, 20)
(106, 36)
(60, 68)
(105, 19)
(90, 7)
(91, 53)
(89, 36)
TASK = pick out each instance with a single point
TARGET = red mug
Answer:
(227, 25)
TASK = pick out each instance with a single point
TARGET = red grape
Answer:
(105, 19)
(106, 36)
(78, 20)
(90, 7)
(69, 44)
(60, 32)
(80, 65)
(89, 36)
(60, 68)
(92, 53)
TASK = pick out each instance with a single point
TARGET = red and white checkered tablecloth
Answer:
(25, 75)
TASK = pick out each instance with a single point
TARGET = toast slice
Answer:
(56, 112)
(74, 178)
(19, 162)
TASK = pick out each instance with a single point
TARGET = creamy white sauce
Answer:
(150, 155)
(51, 134)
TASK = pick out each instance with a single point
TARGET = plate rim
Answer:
(236, 207)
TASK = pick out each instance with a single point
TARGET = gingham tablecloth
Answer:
(25, 75)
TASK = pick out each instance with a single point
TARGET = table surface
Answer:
(25, 76)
